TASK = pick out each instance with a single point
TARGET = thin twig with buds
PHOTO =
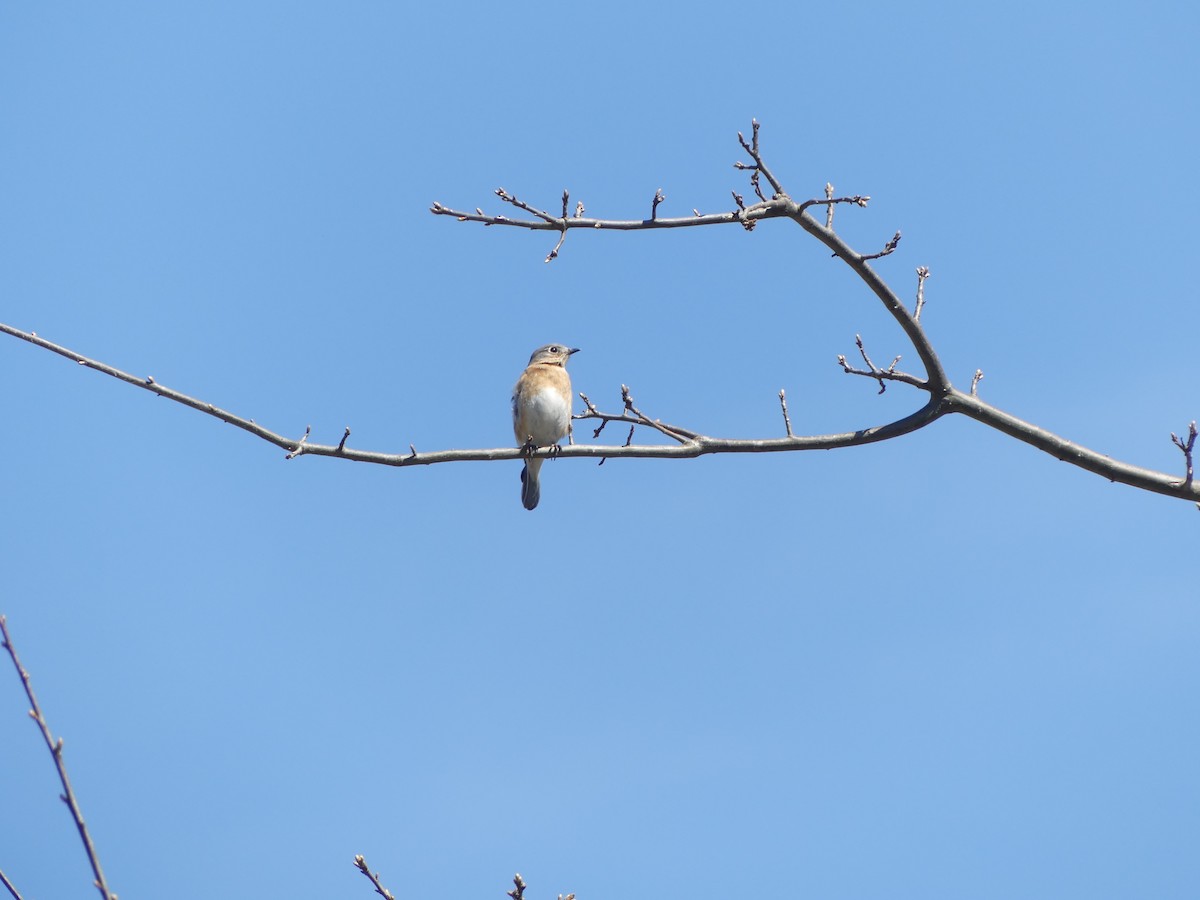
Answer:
(56, 751)
(922, 274)
(888, 249)
(10, 887)
(787, 421)
(361, 865)
(1186, 447)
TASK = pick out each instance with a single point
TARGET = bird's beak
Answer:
(572, 350)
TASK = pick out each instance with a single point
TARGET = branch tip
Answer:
(361, 865)
(787, 422)
(1186, 448)
(922, 274)
(887, 250)
(659, 197)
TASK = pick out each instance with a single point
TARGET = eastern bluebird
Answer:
(541, 404)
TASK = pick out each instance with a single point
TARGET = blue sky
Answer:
(944, 666)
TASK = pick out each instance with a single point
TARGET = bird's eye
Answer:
(556, 350)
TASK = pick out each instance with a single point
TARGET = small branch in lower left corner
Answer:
(9, 886)
(56, 751)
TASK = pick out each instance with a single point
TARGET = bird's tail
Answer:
(531, 490)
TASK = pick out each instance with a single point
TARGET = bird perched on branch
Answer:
(541, 404)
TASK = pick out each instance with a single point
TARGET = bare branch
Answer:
(772, 209)
(553, 254)
(149, 384)
(944, 398)
(975, 379)
(759, 167)
(1186, 448)
(361, 864)
(342, 443)
(519, 204)
(9, 887)
(888, 248)
(873, 371)
(957, 401)
(56, 751)
(858, 200)
(922, 274)
(787, 422)
(671, 431)
(300, 448)
(518, 891)
(658, 198)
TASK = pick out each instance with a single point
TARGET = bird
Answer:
(541, 407)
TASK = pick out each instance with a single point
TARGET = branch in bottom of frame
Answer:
(56, 751)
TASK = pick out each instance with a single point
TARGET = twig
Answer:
(658, 198)
(553, 254)
(9, 885)
(518, 891)
(747, 223)
(829, 206)
(670, 431)
(859, 200)
(56, 750)
(873, 371)
(149, 384)
(342, 443)
(520, 204)
(759, 167)
(787, 422)
(374, 877)
(975, 379)
(888, 248)
(772, 209)
(566, 198)
(922, 274)
(299, 449)
(1186, 447)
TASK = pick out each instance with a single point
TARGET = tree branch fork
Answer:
(944, 397)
